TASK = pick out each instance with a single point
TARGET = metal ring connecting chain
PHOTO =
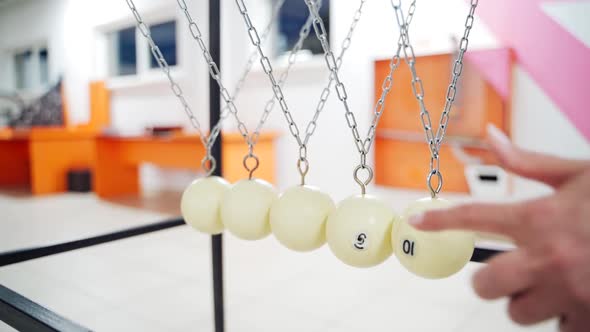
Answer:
(363, 146)
(208, 164)
(251, 168)
(434, 140)
(357, 176)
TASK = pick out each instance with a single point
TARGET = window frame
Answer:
(142, 52)
(145, 76)
(37, 83)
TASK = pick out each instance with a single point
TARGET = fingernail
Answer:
(416, 219)
(498, 135)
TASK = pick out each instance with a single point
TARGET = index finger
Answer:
(501, 219)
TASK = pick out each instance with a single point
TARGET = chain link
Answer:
(311, 126)
(247, 68)
(277, 86)
(434, 140)
(278, 95)
(363, 146)
(209, 140)
(163, 64)
(215, 74)
(252, 139)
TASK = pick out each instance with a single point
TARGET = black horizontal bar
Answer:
(21, 255)
(26, 315)
(483, 254)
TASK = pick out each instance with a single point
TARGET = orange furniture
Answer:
(41, 156)
(401, 153)
(118, 159)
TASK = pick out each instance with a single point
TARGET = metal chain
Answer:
(208, 163)
(311, 126)
(388, 81)
(434, 140)
(216, 75)
(363, 146)
(277, 88)
(163, 64)
(302, 163)
(278, 95)
(248, 67)
(214, 71)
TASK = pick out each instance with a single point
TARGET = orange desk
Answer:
(118, 159)
(41, 157)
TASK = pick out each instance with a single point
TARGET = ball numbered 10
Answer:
(358, 231)
(200, 204)
(430, 255)
(245, 208)
(298, 218)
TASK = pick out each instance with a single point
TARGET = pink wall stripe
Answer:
(554, 58)
(495, 67)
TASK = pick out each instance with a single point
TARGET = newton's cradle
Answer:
(361, 231)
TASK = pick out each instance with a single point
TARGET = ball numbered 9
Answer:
(298, 218)
(200, 203)
(358, 231)
(245, 209)
(430, 255)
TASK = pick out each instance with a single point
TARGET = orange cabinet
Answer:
(402, 155)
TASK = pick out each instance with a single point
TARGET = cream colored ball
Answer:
(298, 218)
(432, 255)
(358, 231)
(245, 209)
(200, 202)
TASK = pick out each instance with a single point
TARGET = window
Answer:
(129, 51)
(44, 65)
(31, 68)
(292, 16)
(124, 52)
(164, 35)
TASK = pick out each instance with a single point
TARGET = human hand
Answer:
(548, 274)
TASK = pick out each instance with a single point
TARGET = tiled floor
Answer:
(162, 281)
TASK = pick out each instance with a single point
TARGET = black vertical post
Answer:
(214, 114)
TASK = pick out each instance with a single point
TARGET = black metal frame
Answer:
(26, 315)
(214, 115)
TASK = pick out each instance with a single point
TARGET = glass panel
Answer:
(44, 65)
(164, 35)
(23, 69)
(126, 58)
(292, 16)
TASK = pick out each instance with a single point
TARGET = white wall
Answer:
(74, 28)
(538, 125)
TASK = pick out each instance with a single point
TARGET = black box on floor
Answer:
(80, 180)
